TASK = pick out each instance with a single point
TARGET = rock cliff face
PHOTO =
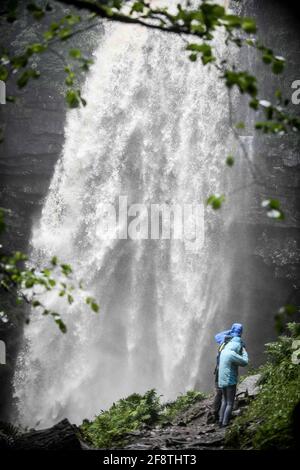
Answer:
(34, 135)
(266, 253)
(272, 275)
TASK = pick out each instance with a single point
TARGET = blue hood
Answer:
(236, 330)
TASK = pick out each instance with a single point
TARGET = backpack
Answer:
(221, 347)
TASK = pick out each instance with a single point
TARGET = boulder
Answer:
(249, 387)
(62, 436)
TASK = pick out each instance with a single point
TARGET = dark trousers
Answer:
(217, 400)
(228, 396)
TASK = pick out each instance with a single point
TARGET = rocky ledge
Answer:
(192, 429)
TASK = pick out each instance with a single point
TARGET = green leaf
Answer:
(91, 302)
(278, 65)
(48, 35)
(86, 64)
(267, 58)
(75, 53)
(3, 73)
(232, 21)
(36, 48)
(273, 209)
(19, 61)
(138, 7)
(64, 33)
(25, 77)
(215, 201)
(2, 222)
(23, 80)
(271, 204)
(72, 19)
(230, 160)
(54, 261)
(69, 81)
(278, 95)
(254, 103)
(61, 325)
(54, 26)
(29, 283)
(271, 127)
(245, 82)
(66, 269)
(193, 57)
(248, 25)
(73, 99)
(95, 307)
(204, 49)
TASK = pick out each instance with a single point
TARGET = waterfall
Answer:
(155, 129)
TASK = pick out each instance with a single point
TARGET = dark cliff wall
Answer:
(34, 128)
(268, 273)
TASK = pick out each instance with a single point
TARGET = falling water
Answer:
(155, 130)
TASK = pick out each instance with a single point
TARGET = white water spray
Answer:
(155, 130)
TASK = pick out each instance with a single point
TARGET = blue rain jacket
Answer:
(232, 356)
(236, 330)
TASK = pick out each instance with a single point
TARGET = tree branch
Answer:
(102, 12)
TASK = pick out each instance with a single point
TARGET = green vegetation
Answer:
(267, 422)
(110, 428)
(172, 409)
(215, 201)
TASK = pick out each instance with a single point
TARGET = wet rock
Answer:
(62, 436)
(249, 387)
(188, 431)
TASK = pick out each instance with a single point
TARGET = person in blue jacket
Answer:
(232, 356)
(222, 339)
